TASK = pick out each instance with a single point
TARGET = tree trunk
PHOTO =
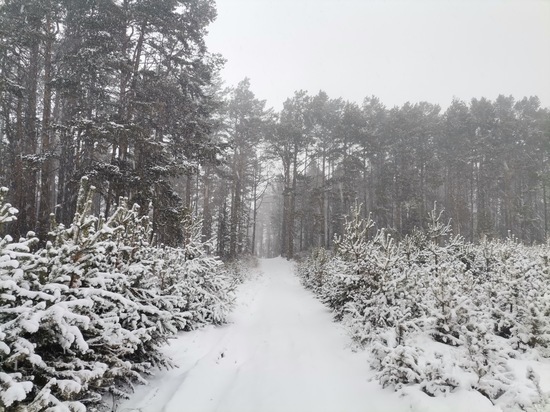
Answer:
(286, 208)
(292, 206)
(206, 230)
(235, 212)
(28, 208)
(545, 203)
(324, 203)
(254, 211)
(46, 176)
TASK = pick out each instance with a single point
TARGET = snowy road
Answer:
(281, 352)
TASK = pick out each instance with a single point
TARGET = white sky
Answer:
(399, 51)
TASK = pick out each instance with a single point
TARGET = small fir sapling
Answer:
(488, 303)
(196, 283)
(488, 363)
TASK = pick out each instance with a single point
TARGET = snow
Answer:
(16, 391)
(69, 386)
(281, 351)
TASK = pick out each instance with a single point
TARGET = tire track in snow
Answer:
(281, 353)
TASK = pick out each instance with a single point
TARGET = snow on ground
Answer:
(280, 352)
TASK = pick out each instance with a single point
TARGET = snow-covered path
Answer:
(280, 352)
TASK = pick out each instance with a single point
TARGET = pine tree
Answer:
(40, 333)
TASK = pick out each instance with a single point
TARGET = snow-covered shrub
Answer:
(198, 284)
(313, 270)
(87, 314)
(41, 335)
(363, 282)
(449, 310)
(333, 279)
(400, 367)
(486, 305)
(96, 259)
(343, 288)
(239, 270)
(521, 306)
(438, 380)
(353, 244)
(199, 287)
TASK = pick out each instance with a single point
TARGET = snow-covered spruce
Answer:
(87, 314)
(438, 313)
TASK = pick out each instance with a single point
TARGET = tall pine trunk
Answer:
(46, 174)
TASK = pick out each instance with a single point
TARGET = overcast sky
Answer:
(414, 50)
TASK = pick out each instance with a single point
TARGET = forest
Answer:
(133, 180)
(128, 95)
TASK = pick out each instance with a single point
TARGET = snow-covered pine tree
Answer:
(88, 314)
(488, 304)
(448, 308)
(383, 299)
(353, 245)
(515, 289)
(488, 359)
(438, 376)
(354, 250)
(197, 277)
(94, 259)
(313, 270)
(400, 367)
(41, 339)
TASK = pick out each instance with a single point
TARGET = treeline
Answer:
(127, 94)
(485, 163)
